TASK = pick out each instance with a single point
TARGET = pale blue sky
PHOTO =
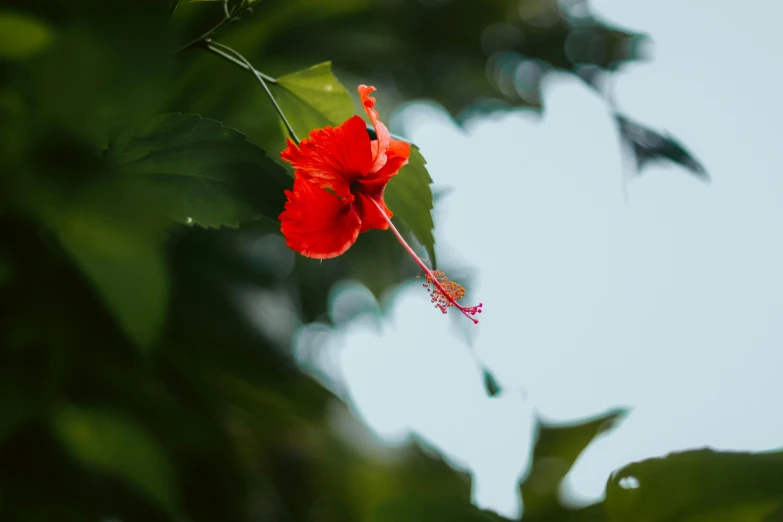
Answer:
(670, 302)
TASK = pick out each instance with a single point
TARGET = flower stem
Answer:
(467, 311)
(233, 56)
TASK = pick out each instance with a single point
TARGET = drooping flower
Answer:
(340, 175)
(355, 169)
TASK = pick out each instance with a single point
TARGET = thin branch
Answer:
(229, 15)
(214, 47)
(210, 46)
(204, 37)
(173, 7)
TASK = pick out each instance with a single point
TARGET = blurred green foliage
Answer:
(22, 36)
(699, 485)
(102, 441)
(554, 454)
(139, 188)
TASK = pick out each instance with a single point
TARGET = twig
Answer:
(173, 7)
(229, 15)
(262, 78)
(210, 46)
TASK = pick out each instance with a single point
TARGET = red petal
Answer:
(380, 146)
(317, 223)
(332, 157)
(370, 216)
(397, 157)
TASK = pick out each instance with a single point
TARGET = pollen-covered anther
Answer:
(445, 293)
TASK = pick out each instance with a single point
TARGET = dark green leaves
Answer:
(649, 146)
(110, 67)
(115, 238)
(556, 450)
(698, 486)
(118, 446)
(449, 51)
(427, 509)
(409, 196)
(17, 404)
(182, 166)
(22, 35)
(313, 98)
(128, 269)
(201, 171)
(491, 385)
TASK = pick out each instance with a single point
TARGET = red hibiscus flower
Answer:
(339, 179)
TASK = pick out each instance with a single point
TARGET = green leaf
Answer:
(201, 171)
(699, 486)
(409, 196)
(313, 98)
(556, 450)
(116, 239)
(22, 36)
(118, 446)
(649, 146)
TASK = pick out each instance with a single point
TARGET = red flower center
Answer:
(355, 187)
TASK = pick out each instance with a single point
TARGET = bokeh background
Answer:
(660, 293)
(604, 179)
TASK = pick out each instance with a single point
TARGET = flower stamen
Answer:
(444, 293)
